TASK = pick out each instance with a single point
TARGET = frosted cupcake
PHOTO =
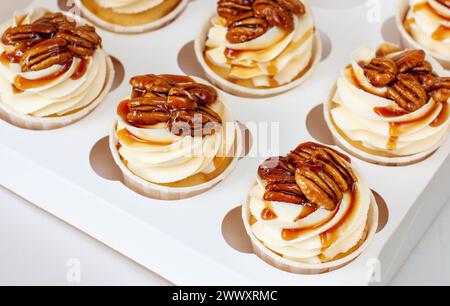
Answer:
(131, 16)
(175, 137)
(391, 105)
(259, 48)
(426, 24)
(53, 70)
(311, 211)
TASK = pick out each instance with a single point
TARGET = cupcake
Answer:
(425, 24)
(310, 212)
(390, 106)
(53, 70)
(131, 16)
(259, 48)
(175, 137)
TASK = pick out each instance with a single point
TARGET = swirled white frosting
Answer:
(275, 55)
(61, 96)
(161, 157)
(354, 114)
(129, 6)
(428, 21)
(322, 236)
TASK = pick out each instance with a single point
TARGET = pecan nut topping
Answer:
(56, 19)
(312, 175)
(410, 79)
(249, 19)
(246, 27)
(178, 101)
(409, 60)
(46, 54)
(83, 41)
(408, 93)
(28, 34)
(381, 72)
(52, 39)
(440, 91)
(275, 14)
(229, 9)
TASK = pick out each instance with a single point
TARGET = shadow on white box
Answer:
(53, 170)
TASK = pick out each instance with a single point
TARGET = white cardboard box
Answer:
(69, 172)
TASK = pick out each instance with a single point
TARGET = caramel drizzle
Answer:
(23, 84)
(332, 235)
(396, 129)
(442, 33)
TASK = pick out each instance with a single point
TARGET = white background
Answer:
(35, 247)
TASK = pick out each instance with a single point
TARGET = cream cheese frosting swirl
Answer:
(159, 155)
(57, 90)
(371, 121)
(129, 6)
(428, 22)
(273, 59)
(306, 231)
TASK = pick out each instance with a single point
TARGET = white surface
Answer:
(35, 248)
(71, 202)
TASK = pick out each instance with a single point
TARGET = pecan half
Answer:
(277, 169)
(325, 177)
(409, 60)
(200, 93)
(295, 6)
(246, 27)
(56, 19)
(440, 91)
(150, 83)
(274, 13)
(427, 80)
(46, 54)
(28, 34)
(381, 72)
(408, 93)
(148, 111)
(82, 41)
(202, 122)
(229, 9)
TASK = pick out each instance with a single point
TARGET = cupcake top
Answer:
(51, 65)
(428, 22)
(261, 43)
(393, 102)
(175, 130)
(310, 206)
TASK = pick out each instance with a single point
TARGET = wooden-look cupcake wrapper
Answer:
(408, 41)
(242, 91)
(303, 268)
(133, 29)
(50, 123)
